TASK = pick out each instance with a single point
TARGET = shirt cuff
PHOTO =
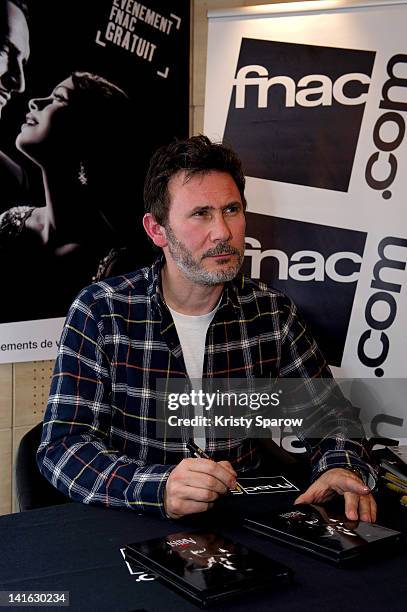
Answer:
(161, 491)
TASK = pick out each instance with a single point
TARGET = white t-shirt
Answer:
(191, 330)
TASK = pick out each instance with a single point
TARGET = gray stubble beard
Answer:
(193, 270)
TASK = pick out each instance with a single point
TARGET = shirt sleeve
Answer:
(331, 431)
(75, 453)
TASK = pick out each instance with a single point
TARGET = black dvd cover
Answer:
(329, 536)
(207, 567)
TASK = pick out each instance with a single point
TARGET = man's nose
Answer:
(220, 230)
(14, 79)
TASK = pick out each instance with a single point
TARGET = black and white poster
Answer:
(88, 90)
(313, 97)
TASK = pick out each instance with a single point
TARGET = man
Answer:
(14, 52)
(191, 315)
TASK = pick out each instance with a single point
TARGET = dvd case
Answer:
(207, 567)
(322, 533)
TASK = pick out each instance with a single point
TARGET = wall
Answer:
(24, 386)
(23, 394)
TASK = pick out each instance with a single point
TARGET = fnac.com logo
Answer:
(394, 104)
(316, 265)
(374, 343)
(296, 110)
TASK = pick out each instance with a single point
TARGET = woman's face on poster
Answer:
(49, 127)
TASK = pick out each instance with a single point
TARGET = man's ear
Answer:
(155, 231)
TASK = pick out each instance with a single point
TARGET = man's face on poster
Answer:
(14, 52)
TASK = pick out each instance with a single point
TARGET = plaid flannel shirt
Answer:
(99, 442)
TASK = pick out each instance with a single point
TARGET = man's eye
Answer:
(200, 213)
(232, 209)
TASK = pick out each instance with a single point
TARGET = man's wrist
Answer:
(355, 470)
(366, 477)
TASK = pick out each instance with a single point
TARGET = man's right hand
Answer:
(195, 484)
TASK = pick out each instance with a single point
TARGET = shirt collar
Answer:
(154, 289)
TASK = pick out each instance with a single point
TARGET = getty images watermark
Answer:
(206, 403)
(309, 408)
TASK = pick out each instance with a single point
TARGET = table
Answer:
(74, 547)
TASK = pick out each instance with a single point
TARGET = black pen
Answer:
(200, 454)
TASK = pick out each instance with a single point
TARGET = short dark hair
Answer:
(195, 155)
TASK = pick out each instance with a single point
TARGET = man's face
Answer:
(205, 228)
(14, 52)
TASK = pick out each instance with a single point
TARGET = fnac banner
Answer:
(314, 100)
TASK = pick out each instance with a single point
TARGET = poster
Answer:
(313, 97)
(88, 90)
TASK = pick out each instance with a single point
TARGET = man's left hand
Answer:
(359, 502)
